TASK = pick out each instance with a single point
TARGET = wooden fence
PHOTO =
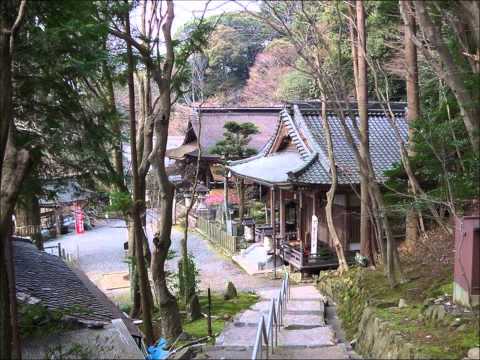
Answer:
(57, 250)
(218, 236)
(28, 230)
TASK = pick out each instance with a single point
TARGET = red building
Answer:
(466, 282)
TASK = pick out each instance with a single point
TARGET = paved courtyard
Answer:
(100, 253)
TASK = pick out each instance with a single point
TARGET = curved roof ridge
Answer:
(323, 159)
(302, 148)
(303, 167)
(309, 135)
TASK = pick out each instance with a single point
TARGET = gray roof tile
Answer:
(46, 277)
(304, 126)
(384, 146)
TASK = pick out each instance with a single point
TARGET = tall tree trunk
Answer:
(413, 109)
(144, 146)
(169, 313)
(137, 205)
(117, 152)
(16, 164)
(189, 289)
(342, 262)
(162, 75)
(449, 71)
(390, 254)
(13, 169)
(362, 100)
(16, 345)
(27, 218)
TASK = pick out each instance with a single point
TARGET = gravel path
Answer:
(101, 251)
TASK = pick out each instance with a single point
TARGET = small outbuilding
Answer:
(78, 320)
(466, 280)
(205, 129)
(295, 170)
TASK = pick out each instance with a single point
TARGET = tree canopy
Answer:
(234, 144)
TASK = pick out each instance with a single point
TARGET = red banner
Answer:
(79, 228)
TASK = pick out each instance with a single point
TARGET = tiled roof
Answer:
(47, 278)
(273, 168)
(303, 124)
(213, 120)
(383, 142)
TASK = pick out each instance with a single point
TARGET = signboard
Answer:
(79, 228)
(314, 238)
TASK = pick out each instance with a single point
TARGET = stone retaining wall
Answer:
(376, 340)
(373, 338)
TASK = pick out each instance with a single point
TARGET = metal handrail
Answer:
(267, 333)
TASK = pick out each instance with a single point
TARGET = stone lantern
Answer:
(202, 192)
(249, 229)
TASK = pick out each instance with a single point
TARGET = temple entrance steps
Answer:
(304, 334)
(327, 352)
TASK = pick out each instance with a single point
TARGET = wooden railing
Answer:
(218, 236)
(291, 255)
(324, 258)
(57, 250)
(54, 250)
(27, 230)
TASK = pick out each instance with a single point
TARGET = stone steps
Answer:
(326, 352)
(304, 334)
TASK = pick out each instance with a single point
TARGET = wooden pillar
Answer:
(272, 207)
(58, 220)
(299, 224)
(241, 207)
(274, 235)
(314, 203)
(225, 199)
(281, 204)
(314, 212)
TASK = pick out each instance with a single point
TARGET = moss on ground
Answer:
(432, 340)
(221, 309)
(358, 287)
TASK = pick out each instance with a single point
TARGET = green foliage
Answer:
(37, 320)
(297, 85)
(443, 162)
(257, 211)
(190, 45)
(60, 45)
(236, 137)
(232, 47)
(359, 287)
(188, 278)
(120, 201)
(220, 309)
(171, 276)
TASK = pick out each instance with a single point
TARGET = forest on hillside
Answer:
(248, 62)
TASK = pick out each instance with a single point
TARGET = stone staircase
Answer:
(304, 334)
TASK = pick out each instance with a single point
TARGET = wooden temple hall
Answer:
(294, 167)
